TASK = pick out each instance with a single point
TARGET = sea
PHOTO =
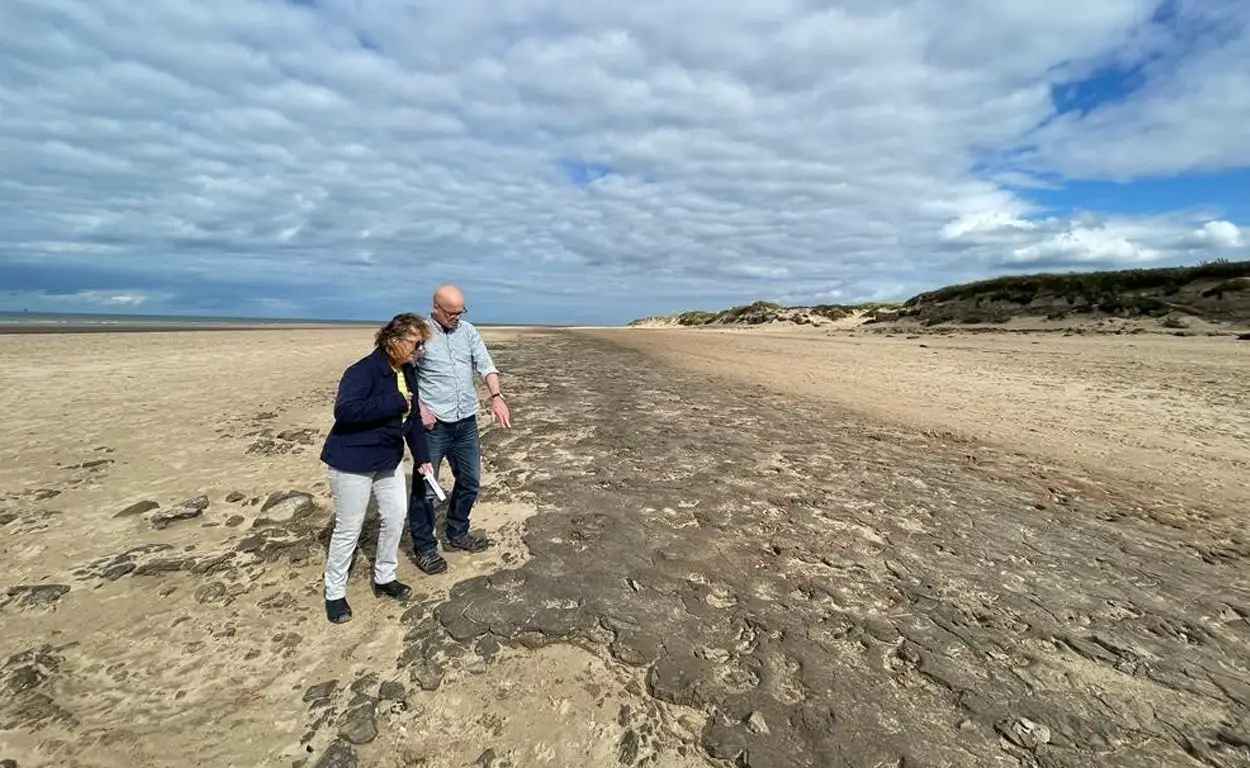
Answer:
(52, 322)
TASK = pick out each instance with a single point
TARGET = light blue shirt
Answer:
(445, 367)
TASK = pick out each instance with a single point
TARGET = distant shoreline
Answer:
(83, 322)
(118, 327)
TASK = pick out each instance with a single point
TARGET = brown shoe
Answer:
(469, 543)
(431, 562)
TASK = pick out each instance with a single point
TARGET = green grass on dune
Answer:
(755, 313)
(1090, 287)
(1128, 292)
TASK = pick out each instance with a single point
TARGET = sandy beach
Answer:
(776, 548)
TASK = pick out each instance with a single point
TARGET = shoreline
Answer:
(58, 328)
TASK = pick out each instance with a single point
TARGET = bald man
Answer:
(446, 364)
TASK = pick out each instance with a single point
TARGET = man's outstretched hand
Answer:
(499, 409)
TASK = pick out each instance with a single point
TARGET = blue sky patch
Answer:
(1225, 194)
(1103, 86)
(582, 173)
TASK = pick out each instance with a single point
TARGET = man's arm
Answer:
(485, 365)
(414, 435)
(490, 374)
(492, 384)
(427, 416)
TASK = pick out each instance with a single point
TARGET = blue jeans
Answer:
(457, 441)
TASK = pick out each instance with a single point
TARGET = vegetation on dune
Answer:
(695, 317)
(1198, 290)
(750, 314)
(1215, 290)
(759, 312)
(1091, 287)
(839, 311)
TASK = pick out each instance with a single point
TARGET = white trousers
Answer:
(351, 492)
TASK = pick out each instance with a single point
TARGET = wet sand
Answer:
(783, 551)
(1163, 416)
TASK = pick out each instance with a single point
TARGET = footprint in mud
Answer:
(674, 518)
(721, 597)
(783, 678)
(734, 678)
(903, 660)
(343, 717)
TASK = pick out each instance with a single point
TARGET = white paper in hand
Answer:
(438, 490)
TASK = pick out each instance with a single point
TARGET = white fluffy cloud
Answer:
(588, 160)
(1087, 241)
(1220, 234)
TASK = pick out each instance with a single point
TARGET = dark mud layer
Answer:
(835, 595)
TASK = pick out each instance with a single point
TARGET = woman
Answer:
(365, 452)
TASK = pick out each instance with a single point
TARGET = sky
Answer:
(594, 161)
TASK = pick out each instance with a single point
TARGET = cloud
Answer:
(1220, 234)
(126, 299)
(1086, 246)
(984, 224)
(1189, 112)
(1091, 242)
(593, 160)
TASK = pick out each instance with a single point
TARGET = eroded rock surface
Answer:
(186, 510)
(26, 696)
(835, 595)
(285, 507)
(34, 595)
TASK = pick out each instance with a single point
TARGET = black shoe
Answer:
(431, 562)
(393, 589)
(469, 542)
(338, 611)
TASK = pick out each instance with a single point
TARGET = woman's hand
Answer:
(426, 469)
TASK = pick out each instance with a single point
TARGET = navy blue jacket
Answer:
(369, 429)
